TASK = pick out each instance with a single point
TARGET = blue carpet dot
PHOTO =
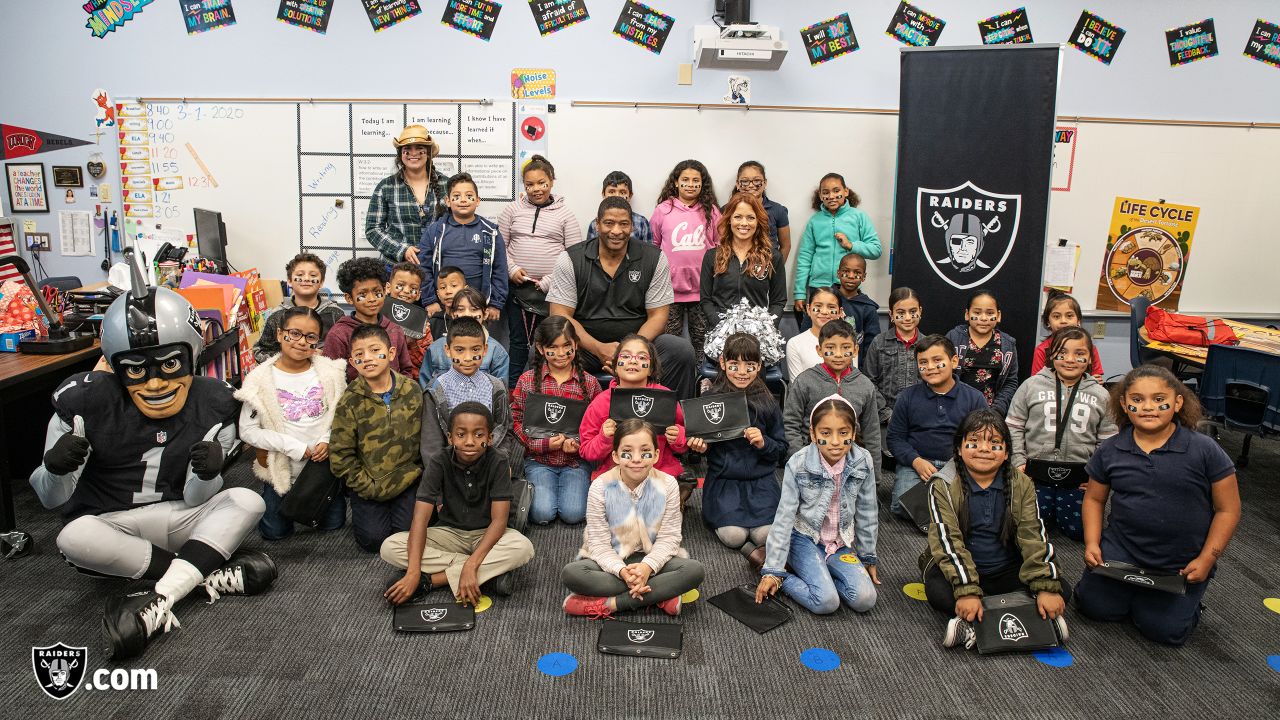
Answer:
(820, 659)
(557, 664)
(1054, 657)
(1274, 662)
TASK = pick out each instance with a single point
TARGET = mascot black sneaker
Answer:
(133, 617)
(248, 572)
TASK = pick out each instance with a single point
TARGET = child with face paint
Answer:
(287, 409)
(634, 364)
(740, 494)
(618, 184)
(467, 303)
(752, 180)
(1060, 310)
(836, 229)
(405, 285)
(1175, 505)
(802, 354)
(631, 555)
(465, 240)
(305, 276)
(560, 477)
(985, 534)
(374, 441)
(826, 524)
(1059, 415)
(860, 310)
(363, 283)
(890, 360)
(988, 355)
(838, 374)
(684, 225)
(449, 282)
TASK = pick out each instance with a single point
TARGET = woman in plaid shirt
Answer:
(560, 478)
(407, 201)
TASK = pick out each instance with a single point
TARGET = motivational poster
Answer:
(107, 15)
(1096, 37)
(1191, 42)
(310, 14)
(555, 15)
(473, 17)
(387, 13)
(1006, 29)
(913, 26)
(829, 39)
(1264, 43)
(203, 15)
(1148, 246)
(642, 25)
(27, 191)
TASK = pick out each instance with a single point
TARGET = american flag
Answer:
(8, 247)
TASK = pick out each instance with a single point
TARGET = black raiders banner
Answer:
(975, 150)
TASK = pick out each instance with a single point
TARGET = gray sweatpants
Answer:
(677, 577)
(119, 543)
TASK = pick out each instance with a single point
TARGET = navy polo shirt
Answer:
(987, 508)
(778, 219)
(924, 423)
(1161, 503)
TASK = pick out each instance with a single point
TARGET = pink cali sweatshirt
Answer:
(682, 233)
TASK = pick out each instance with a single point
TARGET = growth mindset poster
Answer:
(310, 14)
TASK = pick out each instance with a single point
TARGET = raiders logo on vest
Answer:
(966, 232)
(432, 615)
(639, 636)
(59, 669)
(633, 276)
(714, 412)
(1011, 628)
(553, 412)
(641, 405)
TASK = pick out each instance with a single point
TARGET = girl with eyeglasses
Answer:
(752, 181)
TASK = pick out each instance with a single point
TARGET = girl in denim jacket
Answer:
(825, 528)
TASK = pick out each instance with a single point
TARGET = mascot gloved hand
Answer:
(70, 451)
(206, 459)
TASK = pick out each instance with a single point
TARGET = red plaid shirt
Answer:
(539, 449)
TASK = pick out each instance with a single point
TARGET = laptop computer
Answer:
(547, 415)
(434, 617)
(716, 417)
(740, 604)
(1143, 578)
(656, 407)
(655, 640)
(411, 318)
(1011, 623)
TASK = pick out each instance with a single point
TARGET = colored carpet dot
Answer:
(484, 603)
(915, 591)
(1055, 657)
(820, 659)
(1272, 604)
(557, 664)
(1274, 662)
(690, 596)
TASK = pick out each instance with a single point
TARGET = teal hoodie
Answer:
(819, 256)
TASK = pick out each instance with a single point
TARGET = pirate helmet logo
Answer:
(967, 233)
(639, 636)
(633, 276)
(1011, 628)
(399, 312)
(433, 614)
(1058, 474)
(59, 669)
(553, 412)
(714, 412)
(641, 405)
(1139, 579)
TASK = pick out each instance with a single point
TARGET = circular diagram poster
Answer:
(1147, 251)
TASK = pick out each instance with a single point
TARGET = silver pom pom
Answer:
(746, 318)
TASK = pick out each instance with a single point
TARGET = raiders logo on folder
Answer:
(1012, 623)
(411, 318)
(654, 406)
(716, 417)
(655, 640)
(434, 617)
(1150, 579)
(916, 502)
(1057, 474)
(547, 415)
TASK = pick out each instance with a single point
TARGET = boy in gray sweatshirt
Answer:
(837, 375)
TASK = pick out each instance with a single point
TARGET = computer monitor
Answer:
(211, 237)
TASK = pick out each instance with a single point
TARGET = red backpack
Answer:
(1164, 326)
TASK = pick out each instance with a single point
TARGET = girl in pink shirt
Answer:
(684, 225)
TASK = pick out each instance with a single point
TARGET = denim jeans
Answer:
(558, 490)
(273, 526)
(905, 478)
(819, 583)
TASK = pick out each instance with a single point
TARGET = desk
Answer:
(1253, 337)
(23, 378)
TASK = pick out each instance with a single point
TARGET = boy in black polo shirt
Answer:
(469, 484)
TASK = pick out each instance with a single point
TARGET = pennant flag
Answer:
(16, 142)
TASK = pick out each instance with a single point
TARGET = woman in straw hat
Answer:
(408, 200)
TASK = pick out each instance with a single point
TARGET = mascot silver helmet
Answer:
(146, 318)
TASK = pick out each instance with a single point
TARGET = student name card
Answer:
(1264, 43)
(1006, 29)
(555, 15)
(1096, 37)
(912, 26)
(203, 15)
(473, 17)
(1191, 42)
(829, 39)
(642, 25)
(310, 14)
(386, 13)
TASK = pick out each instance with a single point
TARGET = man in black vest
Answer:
(611, 287)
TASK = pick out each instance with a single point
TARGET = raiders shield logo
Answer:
(966, 232)
(714, 412)
(641, 405)
(633, 276)
(59, 669)
(1011, 628)
(639, 636)
(433, 614)
(1058, 474)
(399, 312)
(553, 412)
(1139, 579)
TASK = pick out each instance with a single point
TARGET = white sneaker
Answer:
(1061, 624)
(958, 632)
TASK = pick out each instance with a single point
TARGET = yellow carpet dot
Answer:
(690, 596)
(914, 590)
(1272, 604)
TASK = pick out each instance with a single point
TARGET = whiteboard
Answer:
(296, 176)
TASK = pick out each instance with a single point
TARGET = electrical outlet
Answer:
(1099, 330)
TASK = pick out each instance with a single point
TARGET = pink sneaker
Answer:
(594, 608)
(671, 607)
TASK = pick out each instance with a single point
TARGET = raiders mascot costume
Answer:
(134, 460)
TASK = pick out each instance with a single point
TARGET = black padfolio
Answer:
(916, 502)
(434, 617)
(740, 604)
(1057, 474)
(1011, 623)
(654, 640)
(311, 494)
(1143, 578)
